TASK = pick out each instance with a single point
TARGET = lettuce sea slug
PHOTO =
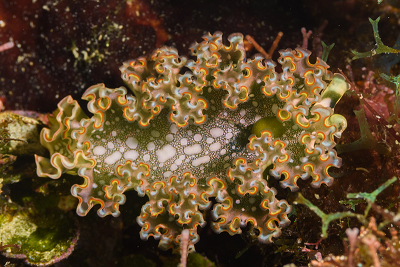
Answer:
(190, 130)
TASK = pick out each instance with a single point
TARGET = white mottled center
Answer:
(110, 145)
(131, 154)
(169, 137)
(180, 160)
(197, 137)
(131, 142)
(99, 150)
(173, 167)
(191, 150)
(151, 146)
(216, 132)
(173, 129)
(200, 160)
(165, 153)
(215, 146)
(114, 157)
(184, 141)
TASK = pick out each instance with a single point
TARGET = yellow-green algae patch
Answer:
(23, 134)
(42, 242)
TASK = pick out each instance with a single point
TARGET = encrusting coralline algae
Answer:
(199, 129)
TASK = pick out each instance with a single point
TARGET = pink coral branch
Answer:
(6, 46)
(352, 235)
(372, 244)
(306, 36)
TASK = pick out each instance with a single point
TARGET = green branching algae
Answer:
(371, 197)
(371, 245)
(396, 81)
(380, 47)
(326, 49)
(328, 218)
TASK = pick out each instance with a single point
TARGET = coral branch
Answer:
(6, 46)
(306, 36)
(274, 45)
(257, 46)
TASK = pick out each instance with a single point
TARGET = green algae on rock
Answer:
(42, 242)
(199, 129)
(19, 137)
(23, 134)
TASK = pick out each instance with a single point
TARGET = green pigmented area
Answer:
(272, 124)
(285, 131)
(334, 91)
(44, 239)
(335, 97)
(152, 145)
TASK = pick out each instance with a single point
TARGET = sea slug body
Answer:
(190, 130)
